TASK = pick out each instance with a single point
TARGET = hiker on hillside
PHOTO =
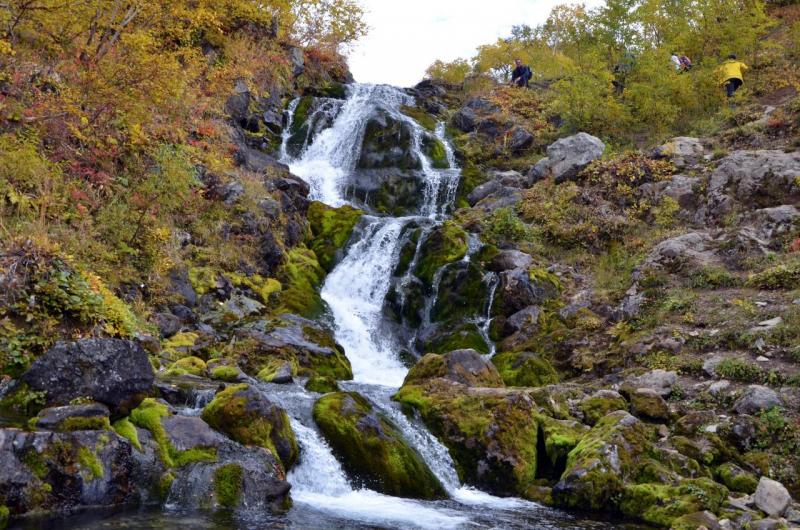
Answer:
(681, 63)
(731, 74)
(521, 74)
(676, 61)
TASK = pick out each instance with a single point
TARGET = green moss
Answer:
(446, 244)
(661, 504)
(466, 336)
(148, 416)
(302, 276)
(598, 405)
(164, 485)
(301, 113)
(525, 369)
(330, 229)
(90, 463)
(741, 370)
(203, 279)
(225, 373)
(784, 276)
(188, 366)
(435, 150)
(5, 515)
(265, 288)
(462, 293)
(322, 385)
(83, 423)
(228, 485)
(372, 449)
(558, 438)
(736, 478)
(420, 116)
(36, 463)
(127, 430)
(23, 402)
(232, 413)
(270, 370)
(176, 346)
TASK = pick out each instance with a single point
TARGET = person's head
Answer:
(518, 62)
(732, 57)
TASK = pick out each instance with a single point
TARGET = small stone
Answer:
(762, 359)
(648, 403)
(659, 380)
(771, 497)
(718, 387)
(757, 398)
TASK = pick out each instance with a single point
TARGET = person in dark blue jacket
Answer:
(521, 74)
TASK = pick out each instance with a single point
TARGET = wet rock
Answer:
(525, 369)
(389, 191)
(518, 290)
(442, 338)
(58, 472)
(116, 373)
(462, 293)
(661, 381)
(278, 371)
(93, 416)
(387, 143)
(648, 403)
(372, 449)
(682, 151)
(501, 459)
(771, 497)
(446, 244)
(757, 398)
(510, 259)
(599, 466)
(754, 179)
(567, 157)
(331, 229)
(465, 120)
(462, 366)
(304, 343)
(248, 417)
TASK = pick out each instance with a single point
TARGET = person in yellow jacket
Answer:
(731, 74)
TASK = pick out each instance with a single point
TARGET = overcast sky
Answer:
(406, 36)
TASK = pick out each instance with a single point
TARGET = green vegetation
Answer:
(330, 230)
(228, 485)
(225, 373)
(90, 463)
(127, 430)
(524, 369)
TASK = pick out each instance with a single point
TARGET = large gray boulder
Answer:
(694, 249)
(682, 151)
(567, 157)
(116, 373)
(757, 398)
(771, 497)
(510, 259)
(661, 381)
(754, 179)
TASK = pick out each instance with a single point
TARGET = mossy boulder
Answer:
(322, 384)
(491, 433)
(445, 244)
(246, 416)
(648, 404)
(277, 370)
(599, 466)
(428, 121)
(387, 143)
(330, 230)
(372, 449)
(87, 417)
(462, 293)
(661, 504)
(301, 276)
(736, 479)
(188, 366)
(557, 438)
(307, 346)
(226, 373)
(435, 150)
(462, 366)
(442, 338)
(601, 403)
(525, 369)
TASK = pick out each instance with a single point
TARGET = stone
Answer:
(601, 403)
(682, 151)
(93, 416)
(519, 140)
(467, 367)
(757, 398)
(754, 179)
(482, 105)
(648, 403)
(661, 381)
(518, 291)
(508, 260)
(465, 120)
(525, 369)
(693, 249)
(567, 157)
(116, 373)
(527, 318)
(718, 388)
(248, 417)
(167, 323)
(372, 449)
(771, 497)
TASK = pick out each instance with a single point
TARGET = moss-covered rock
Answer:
(248, 417)
(490, 433)
(277, 370)
(557, 438)
(661, 504)
(462, 366)
(387, 143)
(446, 244)
(330, 230)
(435, 150)
(322, 384)
(525, 369)
(420, 116)
(188, 366)
(648, 404)
(600, 464)
(462, 293)
(601, 403)
(226, 373)
(442, 339)
(736, 478)
(307, 346)
(372, 449)
(228, 485)
(301, 277)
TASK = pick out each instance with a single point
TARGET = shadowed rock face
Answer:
(116, 373)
